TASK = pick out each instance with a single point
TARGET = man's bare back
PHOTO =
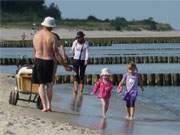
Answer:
(43, 43)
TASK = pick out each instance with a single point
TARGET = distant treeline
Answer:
(25, 12)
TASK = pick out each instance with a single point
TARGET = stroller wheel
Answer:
(39, 103)
(14, 95)
(11, 97)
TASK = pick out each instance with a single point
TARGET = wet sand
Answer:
(149, 118)
(73, 115)
(16, 33)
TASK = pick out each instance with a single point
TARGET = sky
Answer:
(166, 11)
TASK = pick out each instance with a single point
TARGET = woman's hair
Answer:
(132, 65)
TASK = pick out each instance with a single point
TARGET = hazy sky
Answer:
(167, 11)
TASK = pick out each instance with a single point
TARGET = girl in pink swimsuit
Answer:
(104, 87)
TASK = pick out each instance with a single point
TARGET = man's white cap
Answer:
(105, 71)
(49, 22)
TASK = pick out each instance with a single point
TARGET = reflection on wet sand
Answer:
(76, 103)
(128, 127)
(102, 126)
(85, 111)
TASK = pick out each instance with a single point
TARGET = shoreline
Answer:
(24, 118)
(84, 117)
(16, 33)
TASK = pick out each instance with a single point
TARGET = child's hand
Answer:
(91, 93)
(119, 89)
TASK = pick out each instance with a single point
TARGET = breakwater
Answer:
(103, 60)
(100, 41)
(160, 79)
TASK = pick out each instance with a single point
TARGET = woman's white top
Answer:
(78, 52)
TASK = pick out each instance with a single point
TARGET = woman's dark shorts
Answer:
(43, 71)
(80, 68)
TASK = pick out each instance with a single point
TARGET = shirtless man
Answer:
(46, 52)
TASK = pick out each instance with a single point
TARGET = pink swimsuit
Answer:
(104, 89)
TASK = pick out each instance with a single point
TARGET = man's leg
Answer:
(42, 94)
(49, 95)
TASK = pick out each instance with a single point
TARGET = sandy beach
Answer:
(25, 119)
(71, 116)
(16, 33)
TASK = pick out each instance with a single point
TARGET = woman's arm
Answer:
(87, 55)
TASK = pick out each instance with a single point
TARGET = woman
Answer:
(80, 49)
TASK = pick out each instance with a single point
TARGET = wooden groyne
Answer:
(100, 41)
(160, 79)
(104, 60)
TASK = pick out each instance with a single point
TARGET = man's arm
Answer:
(34, 51)
(58, 56)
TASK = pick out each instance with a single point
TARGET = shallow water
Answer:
(165, 49)
(115, 68)
(157, 111)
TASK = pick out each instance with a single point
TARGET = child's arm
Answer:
(96, 87)
(141, 82)
(120, 87)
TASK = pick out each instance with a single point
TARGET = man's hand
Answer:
(68, 68)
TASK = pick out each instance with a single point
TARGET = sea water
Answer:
(157, 111)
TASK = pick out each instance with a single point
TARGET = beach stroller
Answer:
(25, 87)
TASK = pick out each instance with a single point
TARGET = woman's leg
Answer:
(76, 78)
(82, 73)
(75, 87)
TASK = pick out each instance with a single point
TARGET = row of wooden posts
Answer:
(100, 41)
(152, 79)
(103, 60)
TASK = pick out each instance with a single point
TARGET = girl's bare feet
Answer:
(127, 117)
(130, 118)
(104, 115)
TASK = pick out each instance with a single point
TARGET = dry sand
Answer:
(26, 120)
(16, 33)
